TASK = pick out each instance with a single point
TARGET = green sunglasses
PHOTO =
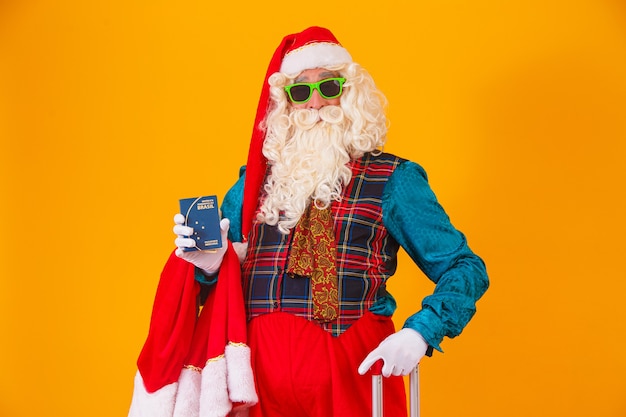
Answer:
(329, 88)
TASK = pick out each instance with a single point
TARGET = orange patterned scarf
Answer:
(313, 254)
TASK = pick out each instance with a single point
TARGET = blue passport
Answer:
(202, 214)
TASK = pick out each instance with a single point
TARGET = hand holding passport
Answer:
(201, 236)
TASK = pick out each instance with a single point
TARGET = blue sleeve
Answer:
(232, 206)
(417, 221)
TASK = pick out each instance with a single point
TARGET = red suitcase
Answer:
(377, 391)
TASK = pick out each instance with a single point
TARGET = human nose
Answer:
(316, 101)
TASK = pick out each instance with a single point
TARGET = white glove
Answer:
(209, 262)
(400, 352)
(241, 248)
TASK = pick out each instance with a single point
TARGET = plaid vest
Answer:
(366, 253)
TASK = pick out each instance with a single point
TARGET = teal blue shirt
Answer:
(413, 216)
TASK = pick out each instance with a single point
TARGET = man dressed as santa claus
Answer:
(316, 220)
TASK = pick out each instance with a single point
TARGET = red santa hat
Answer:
(314, 47)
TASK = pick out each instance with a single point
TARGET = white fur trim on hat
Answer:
(314, 55)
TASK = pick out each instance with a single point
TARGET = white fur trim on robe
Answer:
(214, 401)
(188, 396)
(157, 404)
(240, 378)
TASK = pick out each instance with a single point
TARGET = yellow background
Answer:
(110, 111)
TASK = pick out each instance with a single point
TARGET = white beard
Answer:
(308, 163)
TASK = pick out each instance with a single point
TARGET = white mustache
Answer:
(305, 119)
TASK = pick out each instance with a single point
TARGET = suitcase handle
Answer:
(377, 390)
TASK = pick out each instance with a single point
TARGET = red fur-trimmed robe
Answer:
(195, 365)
